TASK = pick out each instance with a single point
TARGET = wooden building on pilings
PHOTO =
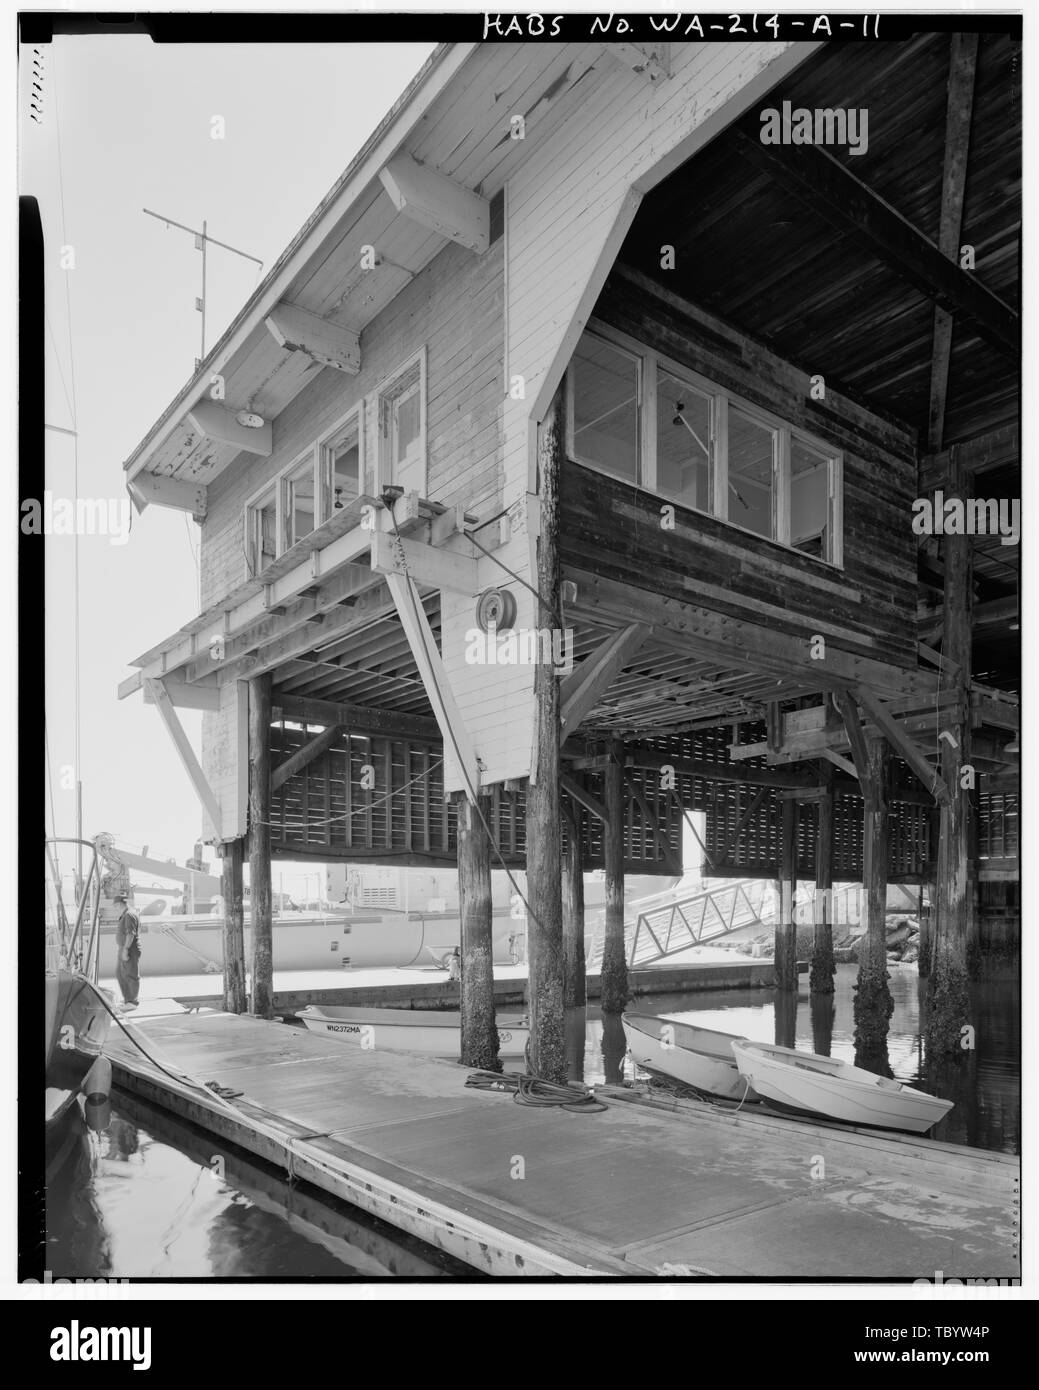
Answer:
(569, 350)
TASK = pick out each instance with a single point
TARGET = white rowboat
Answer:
(435, 1032)
(827, 1086)
(698, 1057)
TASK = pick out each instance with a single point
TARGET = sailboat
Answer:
(77, 1012)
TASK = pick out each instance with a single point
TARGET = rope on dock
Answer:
(532, 1090)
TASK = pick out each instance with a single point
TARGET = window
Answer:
(341, 467)
(402, 414)
(262, 529)
(636, 415)
(605, 420)
(299, 501)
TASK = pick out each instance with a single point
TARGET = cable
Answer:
(368, 806)
(518, 578)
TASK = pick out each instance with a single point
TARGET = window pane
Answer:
(264, 540)
(809, 500)
(300, 512)
(751, 448)
(606, 417)
(406, 415)
(343, 473)
(683, 443)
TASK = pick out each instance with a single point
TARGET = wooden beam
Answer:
(667, 854)
(903, 744)
(838, 761)
(328, 344)
(192, 766)
(959, 108)
(427, 197)
(822, 968)
(431, 567)
(260, 845)
(850, 714)
(476, 987)
(984, 452)
(312, 749)
(583, 797)
(580, 690)
(574, 975)
(168, 492)
(235, 998)
(732, 841)
(218, 423)
(184, 696)
(824, 185)
(786, 928)
(359, 719)
(435, 680)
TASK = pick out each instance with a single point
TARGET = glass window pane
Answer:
(751, 451)
(300, 509)
(683, 443)
(343, 467)
(263, 527)
(407, 420)
(606, 416)
(809, 500)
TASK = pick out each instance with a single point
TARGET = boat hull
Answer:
(431, 1033)
(77, 1025)
(837, 1091)
(697, 1057)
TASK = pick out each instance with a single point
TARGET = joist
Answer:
(432, 200)
(823, 184)
(220, 425)
(850, 714)
(204, 696)
(583, 687)
(328, 344)
(168, 492)
(192, 766)
(984, 452)
(903, 744)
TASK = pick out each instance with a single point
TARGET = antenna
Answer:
(202, 239)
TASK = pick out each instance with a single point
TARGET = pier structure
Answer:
(569, 351)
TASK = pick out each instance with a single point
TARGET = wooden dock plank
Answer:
(637, 1190)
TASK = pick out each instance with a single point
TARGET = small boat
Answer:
(77, 1013)
(698, 1057)
(434, 1032)
(826, 1086)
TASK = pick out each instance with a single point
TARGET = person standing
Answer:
(128, 948)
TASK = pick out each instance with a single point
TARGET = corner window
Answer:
(636, 415)
(402, 414)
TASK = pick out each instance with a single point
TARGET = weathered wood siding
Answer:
(225, 760)
(868, 608)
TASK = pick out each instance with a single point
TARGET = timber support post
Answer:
(613, 986)
(260, 844)
(785, 958)
(574, 981)
(479, 1031)
(235, 997)
(951, 955)
(544, 853)
(873, 1002)
(823, 968)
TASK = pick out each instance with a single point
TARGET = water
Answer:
(984, 1083)
(145, 1200)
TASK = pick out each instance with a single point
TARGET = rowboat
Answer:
(698, 1057)
(806, 1082)
(434, 1032)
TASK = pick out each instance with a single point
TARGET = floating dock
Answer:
(650, 1187)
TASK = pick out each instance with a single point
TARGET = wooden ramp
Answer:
(637, 1191)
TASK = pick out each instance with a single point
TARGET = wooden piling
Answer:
(823, 967)
(574, 982)
(260, 844)
(614, 971)
(544, 853)
(479, 1031)
(873, 1003)
(951, 959)
(235, 998)
(786, 929)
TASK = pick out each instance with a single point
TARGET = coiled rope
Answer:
(532, 1090)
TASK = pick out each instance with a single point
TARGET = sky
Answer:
(126, 126)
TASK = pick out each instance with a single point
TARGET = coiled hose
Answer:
(532, 1090)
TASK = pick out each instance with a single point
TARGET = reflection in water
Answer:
(785, 1017)
(151, 1198)
(614, 1047)
(984, 1084)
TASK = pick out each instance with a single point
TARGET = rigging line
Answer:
(368, 806)
(454, 742)
(57, 360)
(518, 578)
(75, 426)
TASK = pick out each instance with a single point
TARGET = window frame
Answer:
(387, 399)
(324, 447)
(651, 360)
(253, 507)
